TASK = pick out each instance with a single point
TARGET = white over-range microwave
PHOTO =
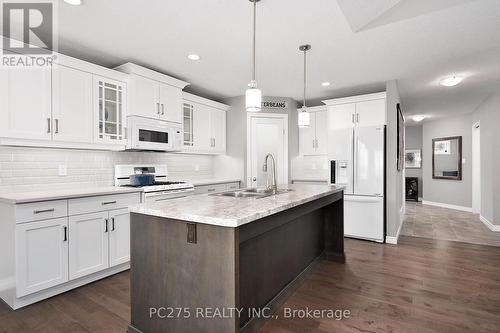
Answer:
(153, 134)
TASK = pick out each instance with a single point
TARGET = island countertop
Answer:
(234, 212)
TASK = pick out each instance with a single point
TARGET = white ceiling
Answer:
(416, 42)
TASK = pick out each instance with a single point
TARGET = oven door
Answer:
(151, 134)
(155, 197)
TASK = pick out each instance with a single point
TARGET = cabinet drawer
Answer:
(41, 211)
(102, 203)
(210, 188)
(233, 186)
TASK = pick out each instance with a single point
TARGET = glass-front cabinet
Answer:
(188, 125)
(110, 110)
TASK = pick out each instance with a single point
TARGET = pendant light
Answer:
(304, 117)
(253, 95)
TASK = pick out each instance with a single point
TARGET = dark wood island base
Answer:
(195, 277)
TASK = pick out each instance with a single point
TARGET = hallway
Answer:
(446, 224)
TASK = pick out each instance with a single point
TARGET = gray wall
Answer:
(445, 191)
(413, 138)
(488, 113)
(395, 178)
(233, 164)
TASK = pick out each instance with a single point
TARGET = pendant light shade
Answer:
(253, 99)
(304, 118)
(253, 95)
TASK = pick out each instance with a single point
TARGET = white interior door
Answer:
(119, 237)
(72, 105)
(369, 161)
(41, 255)
(476, 169)
(25, 103)
(88, 244)
(267, 134)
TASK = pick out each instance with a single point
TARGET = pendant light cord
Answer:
(305, 55)
(254, 36)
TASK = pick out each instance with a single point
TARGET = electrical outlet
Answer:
(63, 170)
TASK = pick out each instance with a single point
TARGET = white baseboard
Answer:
(394, 240)
(443, 205)
(490, 225)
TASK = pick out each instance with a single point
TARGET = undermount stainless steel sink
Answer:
(254, 193)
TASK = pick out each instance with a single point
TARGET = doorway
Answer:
(267, 133)
(476, 168)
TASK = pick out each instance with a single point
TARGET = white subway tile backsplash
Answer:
(32, 169)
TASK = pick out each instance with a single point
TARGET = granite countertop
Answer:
(234, 212)
(27, 197)
(212, 181)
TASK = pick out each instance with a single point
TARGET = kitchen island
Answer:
(215, 263)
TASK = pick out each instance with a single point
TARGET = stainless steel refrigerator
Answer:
(358, 162)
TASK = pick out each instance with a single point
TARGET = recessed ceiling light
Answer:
(325, 84)
(193, 57)
(451, 81)
(418, 118)
(74, 2)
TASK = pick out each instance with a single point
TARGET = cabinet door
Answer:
(145, 97)
(371, 113)
(72, 105)
(110, 110)
(170, 103)
(25, 103)
(188, 141)
(202, 139)
(307, 137)
(218, 130)
(321, 132)
(41, 255)
(119, 237)
(341, 116)
(88, 244)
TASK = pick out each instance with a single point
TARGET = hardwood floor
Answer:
(420, 285)
(447, 224)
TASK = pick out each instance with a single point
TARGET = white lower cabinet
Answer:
(53, 246)
(119, 237)
(88, 244)
(41, 255)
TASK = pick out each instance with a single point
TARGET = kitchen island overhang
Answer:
(190, 276)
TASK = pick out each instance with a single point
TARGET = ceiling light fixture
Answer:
(325, 84)
(451, 81)
(193, 57)
(74, 2)
(253, 95)
(304, 117)
(418, 118)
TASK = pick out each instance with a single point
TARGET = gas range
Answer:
(161, 189)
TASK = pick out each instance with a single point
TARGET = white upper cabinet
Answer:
(204, 125)
(170, 103)
(154, 95)
(357, 111)
(25, 100)
(72, 105)
(145, 97)
(313, 139)
(371, 113)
